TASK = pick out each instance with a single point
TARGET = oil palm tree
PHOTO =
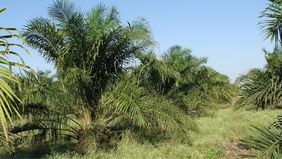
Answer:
(87, 50)
(155, 74)
(271, 22)
(196, 77)
(263, 87)
(142, 112)
(183, 78)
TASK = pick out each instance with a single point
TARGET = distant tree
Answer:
(183, 78)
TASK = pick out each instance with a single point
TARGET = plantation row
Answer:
(110, 85)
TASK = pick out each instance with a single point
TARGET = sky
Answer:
(226, 32)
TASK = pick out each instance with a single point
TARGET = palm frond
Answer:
(271, 23)
(42, 34)
(61, 10)
(266, 140)
(101, 19)
(8, 97)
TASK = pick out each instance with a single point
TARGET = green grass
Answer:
(225, 127)
(214, 132)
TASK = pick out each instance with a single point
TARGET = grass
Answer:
(227, 126)
(211, 140)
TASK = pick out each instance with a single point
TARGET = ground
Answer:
(218, 137)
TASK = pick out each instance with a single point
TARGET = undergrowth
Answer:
(208, 142)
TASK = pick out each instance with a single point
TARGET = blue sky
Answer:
(224, 31)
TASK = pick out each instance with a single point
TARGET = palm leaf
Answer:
(8, 99)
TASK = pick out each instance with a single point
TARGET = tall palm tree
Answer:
(89, 50)
(271, 22)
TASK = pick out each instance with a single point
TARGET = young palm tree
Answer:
(263, 87)
(183, 78)
(128, 106)
(89, 52)
(155, 75)
(94, 47)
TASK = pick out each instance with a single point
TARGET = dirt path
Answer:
(236, 150)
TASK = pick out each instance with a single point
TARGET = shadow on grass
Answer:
(36, 151)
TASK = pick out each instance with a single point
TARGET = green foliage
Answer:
(45, 89)
(271, 22)
(97, 97)
(125, 107)
(138, 110)
(96, 44)
(155, 74)
(267, 140)
(263, 87)
(88, 64)
(130, 104)
(213, 135)
(8, 99)
(184, 79)
(46, 111)
(89, 51)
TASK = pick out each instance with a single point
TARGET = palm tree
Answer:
(263, 87)
(155, 74)
(271, 22)
(198, 82)
(183, 78)
(88, 51)
(129, 106)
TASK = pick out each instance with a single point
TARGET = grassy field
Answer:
(217, 137)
